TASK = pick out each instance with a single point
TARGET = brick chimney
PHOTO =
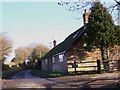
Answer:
(85, 17)
(54, 43)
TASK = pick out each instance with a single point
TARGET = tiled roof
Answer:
(66, 44)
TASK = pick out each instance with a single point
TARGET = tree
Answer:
(21, 54)
(5, 46)
(38, 52)
(101, 31)
(79, 5)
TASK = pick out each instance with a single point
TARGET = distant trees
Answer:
(21, 54)
(5, 46)
(29, 56)
(38, 51)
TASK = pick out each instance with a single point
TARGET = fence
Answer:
(113, 65)
(93, 66)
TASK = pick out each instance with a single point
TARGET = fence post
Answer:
(98, 66)
(75, 66)
(118, 65)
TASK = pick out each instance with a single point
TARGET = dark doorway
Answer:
(40, 65)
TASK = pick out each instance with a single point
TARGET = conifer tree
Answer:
(101, 31)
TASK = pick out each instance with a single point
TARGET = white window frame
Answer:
(61, 57)
(46, 60)
(53, 59)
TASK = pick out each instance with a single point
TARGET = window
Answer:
(75, 35)
(61, 57)
(53, 59)
(46, 60)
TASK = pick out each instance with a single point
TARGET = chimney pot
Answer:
(54, 43)
(85, 17)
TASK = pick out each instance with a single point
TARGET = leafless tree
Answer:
(80, 5)
(5, 46)
(32, 53)
(21, 54)
(40, 50)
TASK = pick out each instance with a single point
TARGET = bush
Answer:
(5, 67)
(6, 74)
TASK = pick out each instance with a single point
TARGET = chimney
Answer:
(85, 17)
(54, 43)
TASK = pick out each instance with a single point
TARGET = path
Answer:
(24, 75)
(25, 79)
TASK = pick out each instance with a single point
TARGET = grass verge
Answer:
(45, 74)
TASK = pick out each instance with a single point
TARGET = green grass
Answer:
(46, 74)
(6, 74)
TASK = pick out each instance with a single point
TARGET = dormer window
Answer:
(75, 35)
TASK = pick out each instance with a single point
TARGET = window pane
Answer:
(60, 57)
(53, 59)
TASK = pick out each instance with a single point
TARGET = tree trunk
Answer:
(105, 59)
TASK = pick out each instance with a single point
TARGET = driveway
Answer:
(25, 79)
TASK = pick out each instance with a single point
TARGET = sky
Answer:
(35, 22)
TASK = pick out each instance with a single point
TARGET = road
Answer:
(25, 75)
(25, 79)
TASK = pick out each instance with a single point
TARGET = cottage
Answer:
(71, 49)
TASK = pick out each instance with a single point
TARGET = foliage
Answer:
(101, 31)
(10, 72)
(21, 54)
(29, 56)
(5, 67)
(38, 51)
(5, 46)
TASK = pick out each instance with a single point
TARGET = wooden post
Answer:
(118, 65)
(98, 66)
(75, 66)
